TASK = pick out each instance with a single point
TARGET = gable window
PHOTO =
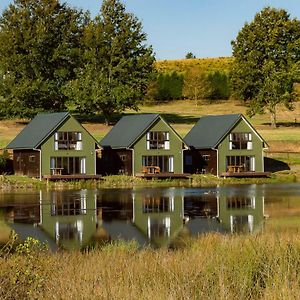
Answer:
(158, 140)
(240, 140)
(68, 140)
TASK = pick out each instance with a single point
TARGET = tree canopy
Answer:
(267, 55)
(39, 49)
(117, 63)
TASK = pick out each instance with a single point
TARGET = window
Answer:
(239, 140)
(123, 157)
(67, 165)
(152, 204)
(68, 140)
(189, 160)
(31, 158)
(240, 202)
(165, 163)
(158, 140)
(206, 157)
(240, 163)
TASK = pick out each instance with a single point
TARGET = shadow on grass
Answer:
(284, 124)
(275, 165)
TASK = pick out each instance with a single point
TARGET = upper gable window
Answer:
(158, 140)
(240, 140)
(68, 140)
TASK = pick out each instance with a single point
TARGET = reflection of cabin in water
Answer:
(69, 218)
(54, 145)
(241, 213)
(159, 216)
(225, 145)
(143, 144)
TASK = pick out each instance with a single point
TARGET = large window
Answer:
(240, 163)
(165, 163)
(240, 140)
(67, 165)
(158, 140)
(68, 140)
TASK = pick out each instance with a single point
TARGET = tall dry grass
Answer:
(212, 267)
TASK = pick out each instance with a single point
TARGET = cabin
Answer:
(142, 145)
(225, 145)
(54, 145)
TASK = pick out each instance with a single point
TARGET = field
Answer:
(214, 266)
(183, 114)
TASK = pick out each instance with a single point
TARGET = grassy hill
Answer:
(196, 64)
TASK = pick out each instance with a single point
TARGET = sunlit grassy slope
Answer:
(197, 64)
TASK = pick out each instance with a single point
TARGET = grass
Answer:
(183, 114)
(214, 266)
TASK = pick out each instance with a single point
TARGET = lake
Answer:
(159, 217)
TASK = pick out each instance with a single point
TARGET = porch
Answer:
(243, 174)
(165, 175)
(71, 177)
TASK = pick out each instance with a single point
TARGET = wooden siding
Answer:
(115, 161)
(26, 162)
(200, 161)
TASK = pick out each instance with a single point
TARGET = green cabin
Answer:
(142, 143)
(224, 144)
(54, 144)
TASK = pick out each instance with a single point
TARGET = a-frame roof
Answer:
(129, 129)
(209, 131)
(41, 126)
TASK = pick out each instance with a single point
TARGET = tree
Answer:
(266, 52)
(169, 86)
(190, 55)
(39, 49)
(117, 63)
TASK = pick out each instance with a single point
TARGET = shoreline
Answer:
(12, 182)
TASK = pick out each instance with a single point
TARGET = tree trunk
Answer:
(273, 118)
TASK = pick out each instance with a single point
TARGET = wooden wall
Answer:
(26, 162)
(115, 161)
(200, 161)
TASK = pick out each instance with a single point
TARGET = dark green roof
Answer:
(210, 130)
(41, 126)
(128, 130)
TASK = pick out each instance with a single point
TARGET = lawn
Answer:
(183, 114)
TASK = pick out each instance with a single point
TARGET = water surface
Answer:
(160, 217)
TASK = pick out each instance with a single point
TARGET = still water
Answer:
(160, 217)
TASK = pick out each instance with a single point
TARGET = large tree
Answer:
(39, 49)
(266, 52)
(117, 63)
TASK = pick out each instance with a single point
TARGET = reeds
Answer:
(213, 266)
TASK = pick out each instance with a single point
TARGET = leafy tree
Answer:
(190, 55)
(202, 85)
(169, 86)
(117, 63)
(219, 85)
(39, 49)
(266, 52)
(196, 85)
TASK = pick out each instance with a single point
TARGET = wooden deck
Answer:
(71, 177)
(163, 175)
(245, 174)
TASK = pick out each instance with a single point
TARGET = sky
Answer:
(203, 27)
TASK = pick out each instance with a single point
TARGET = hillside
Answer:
(196, 64)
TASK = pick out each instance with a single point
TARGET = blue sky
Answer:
(203, 27)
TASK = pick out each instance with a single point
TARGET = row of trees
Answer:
(53, 56)
(192, 85)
